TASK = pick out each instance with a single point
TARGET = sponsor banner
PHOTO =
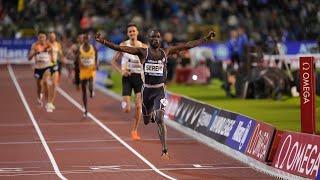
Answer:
(221, 125)
(240, 133)
(299, 154)
(260, 141)
(275, 143)
(307, 95)
(173, 104)
(206, 119)
(15, 50)
(189, 112)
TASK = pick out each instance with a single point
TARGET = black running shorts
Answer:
(38, 73)
(152, 99)
(134, 81)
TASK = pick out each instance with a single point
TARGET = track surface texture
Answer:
(67, 146)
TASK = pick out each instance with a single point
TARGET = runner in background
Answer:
(88, 64)
(131, 71)
(58, 58)
(41, 52)
(75, 49)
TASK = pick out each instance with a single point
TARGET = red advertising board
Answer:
(260, 141)
(173, 104)
(298, 154)
(307, 95)
(275, 143)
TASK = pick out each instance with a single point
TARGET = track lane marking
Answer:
(114, 169)
(35, 124)
(88, 141)
(74, 102)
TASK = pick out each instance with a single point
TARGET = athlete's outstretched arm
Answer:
(114, 62)
(127, 49)
(191, 44)
(32, 53)
(96, 58)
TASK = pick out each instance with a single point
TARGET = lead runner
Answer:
(154, 60)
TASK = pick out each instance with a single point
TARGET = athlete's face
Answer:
(132, 32)
(52, 37)
(85, 38)
(155, 39)
(42, 38)
(80, 39)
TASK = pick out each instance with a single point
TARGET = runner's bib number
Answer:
(153, 68)
(43, 57)
(87, 61)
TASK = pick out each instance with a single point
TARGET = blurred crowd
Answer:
(261, 19)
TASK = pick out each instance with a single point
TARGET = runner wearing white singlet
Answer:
(132, 76)
(41, 52)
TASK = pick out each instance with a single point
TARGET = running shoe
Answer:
(48, 108)
(85, 114)
(135, 136)
(165, 156)
(53, 107)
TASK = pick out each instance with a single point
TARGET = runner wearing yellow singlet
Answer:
(88, 65)
(57, 57)
(41, 53)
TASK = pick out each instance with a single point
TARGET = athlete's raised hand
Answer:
(211, 35)
(98, 37)
(191, 44)
(131, 50)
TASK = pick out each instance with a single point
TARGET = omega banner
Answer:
(307, 95)
(299, 154)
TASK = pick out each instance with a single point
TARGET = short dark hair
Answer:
(132, 25)
(41, 32)
(155, 30)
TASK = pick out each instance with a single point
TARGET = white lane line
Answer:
(35, 124)
(89, 141)
(60, 124)
(22, 162)
(89, 148)
(69, 98)
(114, 169)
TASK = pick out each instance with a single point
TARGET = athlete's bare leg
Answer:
(39, 91)
(47, 84)
(126, 104)
(84, 95)
(55, 84)
(91, 87)
(138, 114)
(162, 132)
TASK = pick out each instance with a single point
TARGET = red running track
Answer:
(79, 148)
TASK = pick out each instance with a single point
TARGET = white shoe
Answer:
(85, 114)
(49, 108)
(53, 107)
